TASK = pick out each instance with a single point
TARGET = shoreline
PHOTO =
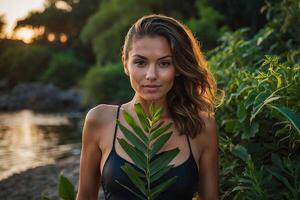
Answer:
(42, 180)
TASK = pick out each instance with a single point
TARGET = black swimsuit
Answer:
(183, 188)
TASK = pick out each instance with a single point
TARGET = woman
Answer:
(164, 63)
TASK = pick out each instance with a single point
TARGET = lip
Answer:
(151, 86)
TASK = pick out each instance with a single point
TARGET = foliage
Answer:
(146, 141)
(64, 70)
(239, 14)
(66, 189)
(260, 119)
(23, 63)
(285, 17)
(106, 84)
(109, 25)
(206, 25)
(55, 20)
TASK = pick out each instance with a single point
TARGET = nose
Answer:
(151, 72)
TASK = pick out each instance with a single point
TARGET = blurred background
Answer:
(59, 58)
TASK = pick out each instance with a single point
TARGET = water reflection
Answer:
(28, 139)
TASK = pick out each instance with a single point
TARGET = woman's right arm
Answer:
(89, 175)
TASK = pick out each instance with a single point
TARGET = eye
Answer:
(139, 63)
(164, 63)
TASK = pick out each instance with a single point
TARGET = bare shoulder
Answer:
(209, 134)
(210, 123)
(101, 114)
(96, 118)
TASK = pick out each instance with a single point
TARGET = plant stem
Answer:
(148, 163)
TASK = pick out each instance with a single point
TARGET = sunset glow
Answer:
(14, 10)
(51, 37)
(63, 38)
(27, 34)
(63, 5)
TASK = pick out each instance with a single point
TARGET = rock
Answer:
(40, 97)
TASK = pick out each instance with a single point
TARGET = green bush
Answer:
(108, 26)
(260, 119)
(23, 63)
(107, 84)
(206, 25)
(64, 70)
(259, 123)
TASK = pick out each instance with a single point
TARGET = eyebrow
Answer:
(145, 58)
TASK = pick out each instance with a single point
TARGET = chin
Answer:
(153, 97)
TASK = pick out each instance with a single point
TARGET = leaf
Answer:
(237, 188)
(242, 112)
(276, 160)
(142, 117)
(134, 177)
(133, 192)
(241, 152)
(282, 179)
(141, 152)
(250, 131)
(289, 115)
(154, 120)
(268, 100)
(137, 157)
(159, 143)
(162, 187)
(159, 131)
(129, 119)
(259, 107)
(152, 109)
(157, 115)
(160, 173)
(157, 126)
(230, 125)
(140, 145)
(159, 111)
(250, 99)
(66, 189)
(162, 161)
(279, 80)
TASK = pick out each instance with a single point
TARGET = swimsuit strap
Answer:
(187, 137)
(116, 125)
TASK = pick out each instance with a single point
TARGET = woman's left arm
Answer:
(208, 163)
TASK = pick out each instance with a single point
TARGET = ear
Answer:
(126, 71)
(125, 65)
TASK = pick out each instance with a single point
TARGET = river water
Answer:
(29, 139)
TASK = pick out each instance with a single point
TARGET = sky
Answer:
(18, 9)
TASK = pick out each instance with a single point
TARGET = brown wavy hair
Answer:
(194, 90)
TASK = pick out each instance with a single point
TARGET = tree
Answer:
(2, 24)
(59, 21)
(206, 25)
(23, 63)
(64, 70)
(105, 30)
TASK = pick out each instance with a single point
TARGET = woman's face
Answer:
(150, 67)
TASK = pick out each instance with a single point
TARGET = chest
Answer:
(184, 187)
(188, 147)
